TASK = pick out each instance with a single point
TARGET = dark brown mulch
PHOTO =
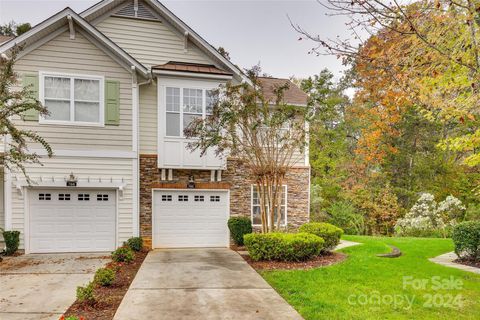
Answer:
(109, 298)
(468, 262)
(234, 247)
(324, 260)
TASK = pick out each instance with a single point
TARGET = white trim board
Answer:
(88, 153)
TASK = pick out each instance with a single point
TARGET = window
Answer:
(182, 198)
(102, 197)
(64, 196)
(72, 99)
(214, 198)
(44, 196)
(184, 105)
(256, 216)
(83, 197)
(166, 197)
(199, 198)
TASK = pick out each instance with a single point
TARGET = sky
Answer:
(253, 32)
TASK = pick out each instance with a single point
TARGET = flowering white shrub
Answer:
(452, 210)
(426, 217)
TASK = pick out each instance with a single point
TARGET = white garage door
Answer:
(190, 218)
(71, 220)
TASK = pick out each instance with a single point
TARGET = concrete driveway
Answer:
(201, 284)
(43, 286)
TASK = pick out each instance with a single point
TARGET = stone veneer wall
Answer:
(240, 191)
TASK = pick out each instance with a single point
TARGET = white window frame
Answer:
(181, 87)
(73, 76)
(252, 188)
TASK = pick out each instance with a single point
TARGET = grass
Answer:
(366, 286)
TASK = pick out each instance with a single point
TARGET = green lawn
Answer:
(366, 287)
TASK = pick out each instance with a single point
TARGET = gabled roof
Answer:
(59, 22)
(191, 67)
(292, 95)
(104, 6)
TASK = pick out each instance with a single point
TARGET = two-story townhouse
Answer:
(121, 80)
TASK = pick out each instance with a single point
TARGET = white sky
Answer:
(252, 31)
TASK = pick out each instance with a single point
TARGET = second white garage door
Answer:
(190, 218)
(71, 220)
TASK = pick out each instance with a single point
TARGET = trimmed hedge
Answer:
(328, 232)
(466, 237)
(283, 246)
(104, 277)
(12, 241)
(123, 254)
(239, 226)
(134, 243)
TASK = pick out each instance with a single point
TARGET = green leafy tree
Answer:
(13, 29)
(328, 133)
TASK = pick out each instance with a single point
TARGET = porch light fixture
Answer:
(72, 181)
(191, 182)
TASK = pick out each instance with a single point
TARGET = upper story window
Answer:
(72, 99)
(184, 105)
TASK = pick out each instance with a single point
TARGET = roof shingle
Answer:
(292, 95)
(4, 38)
(191, 67)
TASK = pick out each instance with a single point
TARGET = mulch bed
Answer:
(324, 260)
(468, 262)
(109, 298)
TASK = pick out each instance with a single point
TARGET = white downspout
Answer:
(136, 149)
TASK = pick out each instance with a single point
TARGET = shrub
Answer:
(86, 294)
(134, 243)
(343, 215)
(466, 237)
(123, 254)
(12, 241)
(104, 277)
(71, 318)
(328, 232)
(239, 226)
(283, 246)
(429, 219)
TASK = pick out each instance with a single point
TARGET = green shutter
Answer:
(112, 102)
(31, 81)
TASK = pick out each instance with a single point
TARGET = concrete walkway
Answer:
(43, 286)
(447, 260)
(201, 284)
(345, 244)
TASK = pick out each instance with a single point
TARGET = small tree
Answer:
(266, 135)
(13, 104)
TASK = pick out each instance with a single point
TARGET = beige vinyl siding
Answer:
(148, 119)
(59, 168)
(80, 56)
(150, 42)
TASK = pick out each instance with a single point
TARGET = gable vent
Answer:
(143, 12)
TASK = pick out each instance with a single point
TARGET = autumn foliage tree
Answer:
(427, 52)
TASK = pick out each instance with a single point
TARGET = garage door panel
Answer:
(71, 221)
(190, 218)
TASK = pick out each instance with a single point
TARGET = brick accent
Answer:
(234, 177)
